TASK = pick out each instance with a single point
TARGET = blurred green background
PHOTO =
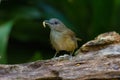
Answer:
(23, 38)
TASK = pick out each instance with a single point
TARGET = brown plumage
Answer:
(61, 37)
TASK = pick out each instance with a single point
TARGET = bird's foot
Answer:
(63, 57)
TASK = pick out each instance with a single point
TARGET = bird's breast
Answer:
(62, 41)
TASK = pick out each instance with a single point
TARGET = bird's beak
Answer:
(45, 22)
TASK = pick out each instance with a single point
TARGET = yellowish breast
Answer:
(63, 42)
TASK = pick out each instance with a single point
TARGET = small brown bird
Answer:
(61, 37)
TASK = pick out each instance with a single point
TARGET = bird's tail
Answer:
(78, 39)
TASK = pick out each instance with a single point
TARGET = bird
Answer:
(61, 37)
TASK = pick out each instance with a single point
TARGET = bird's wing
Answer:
(78, 39)
(69, 33)
(72, 34)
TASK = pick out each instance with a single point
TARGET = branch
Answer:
(97, 59)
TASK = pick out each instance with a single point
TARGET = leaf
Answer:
(4, 35)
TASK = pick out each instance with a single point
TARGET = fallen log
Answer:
(98, 59)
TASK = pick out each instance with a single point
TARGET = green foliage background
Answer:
(23, 38)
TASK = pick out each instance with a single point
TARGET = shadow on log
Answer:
(98, 59)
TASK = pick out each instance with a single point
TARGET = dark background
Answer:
(24, 39)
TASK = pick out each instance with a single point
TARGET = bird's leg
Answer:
(71, 53)
(55, 54)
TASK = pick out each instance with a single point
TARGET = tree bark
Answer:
(98, 59)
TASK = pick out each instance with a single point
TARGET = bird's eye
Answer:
(55, 22)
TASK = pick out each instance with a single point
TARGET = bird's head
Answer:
(54, 24)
